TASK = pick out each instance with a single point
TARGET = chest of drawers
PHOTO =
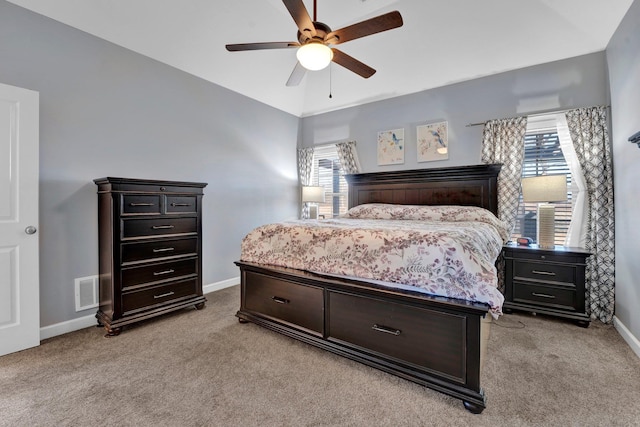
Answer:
(546, 281)
(150, 243)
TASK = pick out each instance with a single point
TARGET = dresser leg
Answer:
(583, 323)
(112, 332)
(200, 306)
(243, 321)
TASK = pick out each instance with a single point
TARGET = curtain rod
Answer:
(535, 113)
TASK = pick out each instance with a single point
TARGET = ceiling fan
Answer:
(315, 41)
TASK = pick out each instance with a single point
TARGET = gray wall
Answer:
(107, 111)
(623, 57)
(571, 83)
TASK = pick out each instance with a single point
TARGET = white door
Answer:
(19, 272)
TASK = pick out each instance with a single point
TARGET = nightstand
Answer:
(546, 281)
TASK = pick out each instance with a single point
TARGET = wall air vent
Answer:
(86, 292)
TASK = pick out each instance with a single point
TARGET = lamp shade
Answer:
(314, 56)
(544, 188)
(312, 194)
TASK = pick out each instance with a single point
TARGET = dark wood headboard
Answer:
(463, 185)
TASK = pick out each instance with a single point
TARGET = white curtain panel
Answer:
(577, 232)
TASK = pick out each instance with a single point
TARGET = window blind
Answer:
(543, 156)
(327, 173)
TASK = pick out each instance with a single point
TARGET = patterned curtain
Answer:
(503, 142)
(305, 167)
(348, 157)
(590, 136)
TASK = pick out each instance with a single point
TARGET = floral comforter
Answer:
(440, 250)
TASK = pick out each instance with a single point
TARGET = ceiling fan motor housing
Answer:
(322, 30)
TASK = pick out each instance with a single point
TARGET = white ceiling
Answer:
(441, 41)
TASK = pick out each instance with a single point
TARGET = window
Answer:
(543, 156)
(327, 173)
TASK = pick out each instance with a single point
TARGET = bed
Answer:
(434, 340)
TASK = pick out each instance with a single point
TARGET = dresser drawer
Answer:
(158, 227)
(147, 298)
(134, 276)
(181, 204)
(541, 295)
(400, 332)
(288, 302)
(140, 204)
(543, 272)
(134, 252)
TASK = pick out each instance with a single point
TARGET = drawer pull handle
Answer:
(180, 204)
(168, 294)
(544, 273)
(280, 300)
(163, 250)
(160, 273)
(161, 227)
(386, 330)
(536, 294)
(140, 204)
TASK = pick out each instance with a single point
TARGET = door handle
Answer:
(30, 230)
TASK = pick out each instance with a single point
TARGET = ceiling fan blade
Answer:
(296, 75)
(352, 64)
(301, 16)
(381, 23)
(260, 46)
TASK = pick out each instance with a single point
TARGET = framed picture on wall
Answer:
(391, 147)
(433, 142)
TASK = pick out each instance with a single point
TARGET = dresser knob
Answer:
(542, 257)
(163, 188)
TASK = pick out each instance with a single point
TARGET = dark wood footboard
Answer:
(433, 341)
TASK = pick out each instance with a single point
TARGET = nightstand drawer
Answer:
(519, 253)
(543, 272)
(551, 296)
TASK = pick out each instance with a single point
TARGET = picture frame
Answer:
(432, 142)
(391, 147)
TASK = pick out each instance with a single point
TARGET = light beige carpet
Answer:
(203, 368)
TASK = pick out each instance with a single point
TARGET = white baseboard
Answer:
(90, 320)
(68, 326)
(626, 334)
(221, 285)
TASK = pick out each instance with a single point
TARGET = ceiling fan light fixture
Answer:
(314, 56)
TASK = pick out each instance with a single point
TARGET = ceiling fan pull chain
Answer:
(330, 81)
